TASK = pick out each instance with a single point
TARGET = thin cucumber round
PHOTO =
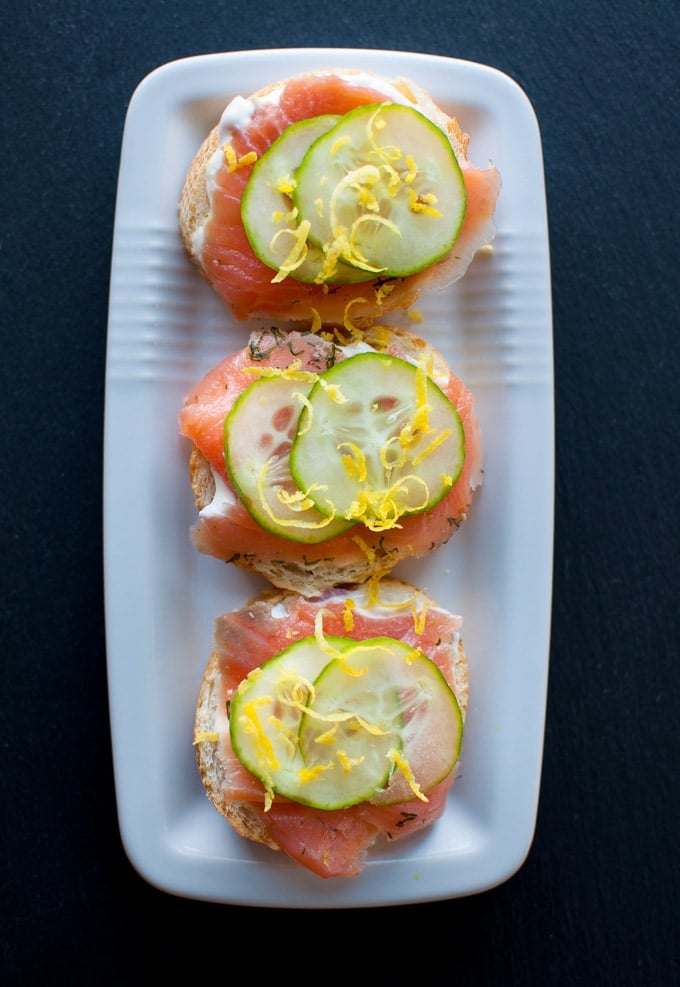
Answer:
(382, 189)
(356, 713)
(269, 216)
(394, 445)
(258, 434)
(402, 709)
(264, 723)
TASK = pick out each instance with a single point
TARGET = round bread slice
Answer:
(330, 843)
(224, 528)
(216, 242)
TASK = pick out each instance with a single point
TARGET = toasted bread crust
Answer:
(241, 815)
(211, 767)
(194, 205)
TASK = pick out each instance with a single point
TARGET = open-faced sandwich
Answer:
(321, 458)
(334, 192)
(322, 725)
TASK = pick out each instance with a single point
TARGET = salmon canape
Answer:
(325, 725)
(334, 191)
(320, 458)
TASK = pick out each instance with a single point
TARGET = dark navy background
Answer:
(597, 899)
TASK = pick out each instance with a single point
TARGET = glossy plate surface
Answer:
(166, 329)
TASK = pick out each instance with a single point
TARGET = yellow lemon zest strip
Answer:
(295, 691)
(419, 618)
(320, 637)
(311, 774)
(371, 728)
(331, 254)
(303, 399)
(317, 324)
(412, 169)
(355, 462)
(293, 372)
(359, 180)
(383, 291)
(285, 734)
(398, 460)
(298, 252)
(347, 763)
(442, 437)
(348, 614)
(376, 511)
(420, 422)
(423, 203)
(368, 551)
(204, 736)
(368, 200)
(355, 721)
(357, 649)
(340, 143)
(234, 162)
(333, 391)
(290, 522)
(373, 590)
(230, 157)
(381, 509)
(250, 721)
(387, 152)
(253, 675)
(379, 336)
(405, 769)
(328, 737)
(297, 501)
(346, 320)
(394, 180)
(357, 258)
(286, 185)
(419, 615)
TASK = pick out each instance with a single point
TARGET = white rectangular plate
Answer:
(166, 329)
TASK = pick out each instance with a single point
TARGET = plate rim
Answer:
(154, 859)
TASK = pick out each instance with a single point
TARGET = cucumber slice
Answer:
(398, 690)
(258, 434)
(264, 723)
(267, 209)
(394, 447)
(382, 189)
(356, 715)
